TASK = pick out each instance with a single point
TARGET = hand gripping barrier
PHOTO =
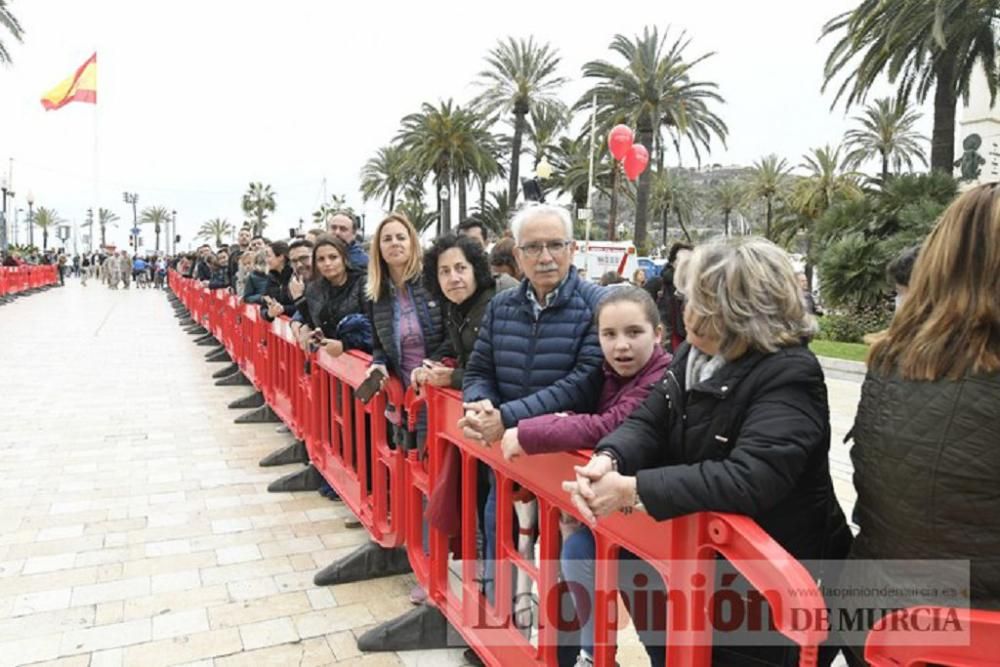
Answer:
(895, 642)
(682, 551)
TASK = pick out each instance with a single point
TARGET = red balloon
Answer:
(636, 161)
(620, 141)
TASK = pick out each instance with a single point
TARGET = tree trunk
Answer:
(103, 241)
(809, 266)
(461, 199)
(645, 136)
(45, 238)
(392, 201)
(613, 210)
(725, 223)
(158, 239)
(767, 228)
(482, 195)
(665, 216)
(885, 168)
(680, 223)
(515, 154)
(945, 101)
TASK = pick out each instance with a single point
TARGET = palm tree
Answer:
(768, 180)
(257, 202)
(725, 197)
(45, 218)
(521, 78)
(156, 216)
(830, 179)
(547, 123)
(384, 175)
(337, 204)
(674, 193)
(496, 213)
(886, 132)
(106, 217)
(654, 89)
(934, 45)
(215, 228)
(8, 21)
(449, 142)
(416, 211)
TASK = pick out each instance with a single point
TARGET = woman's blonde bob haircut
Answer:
(378, 270)
(949, 324)
(744, 293)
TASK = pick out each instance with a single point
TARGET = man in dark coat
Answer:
(537, 350)
(344, 225)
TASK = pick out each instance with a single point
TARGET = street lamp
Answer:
(173, 233)
(133, 198)
(3, 217)
(31, 218)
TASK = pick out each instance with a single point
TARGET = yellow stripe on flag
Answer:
(79, 87)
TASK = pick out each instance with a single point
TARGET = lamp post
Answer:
(31, 218)
(133, 198)
(4, 185)
(172, 241)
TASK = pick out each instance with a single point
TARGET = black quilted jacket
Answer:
(753, 439)
(927, 470)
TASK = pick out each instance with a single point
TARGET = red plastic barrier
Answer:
(678, 549)
(16, 279)
(895, 642)
(351, 444)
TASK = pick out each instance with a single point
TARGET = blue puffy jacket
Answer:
(532, 367)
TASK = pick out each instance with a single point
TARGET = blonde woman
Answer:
(740, 423)
(407, 320)
(406, 317)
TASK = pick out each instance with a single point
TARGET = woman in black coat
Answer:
(740, 423)
(277, 299)
(457, 274)
(331, 299)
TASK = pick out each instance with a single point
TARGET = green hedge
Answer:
(852, 327)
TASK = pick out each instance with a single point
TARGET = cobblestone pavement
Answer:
(135, 525)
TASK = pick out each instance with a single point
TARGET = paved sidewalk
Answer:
(135, 525)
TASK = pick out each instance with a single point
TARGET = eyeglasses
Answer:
(305, 259)
(555, 248)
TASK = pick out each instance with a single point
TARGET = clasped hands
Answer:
(598, 490)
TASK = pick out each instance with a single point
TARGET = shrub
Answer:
(853, 326)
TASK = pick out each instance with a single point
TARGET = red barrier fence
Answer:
(363, 453)
(896, 641)
(16, 279)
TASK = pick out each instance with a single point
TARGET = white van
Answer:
(598, 257)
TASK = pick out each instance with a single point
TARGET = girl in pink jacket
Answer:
(629, 328)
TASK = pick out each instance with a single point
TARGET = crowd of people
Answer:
(695, 389)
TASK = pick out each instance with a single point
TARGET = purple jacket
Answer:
(619, 397)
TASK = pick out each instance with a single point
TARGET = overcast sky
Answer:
(196, 99)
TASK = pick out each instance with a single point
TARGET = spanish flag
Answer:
(80, 87)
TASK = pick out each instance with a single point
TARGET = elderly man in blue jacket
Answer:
(537, 350)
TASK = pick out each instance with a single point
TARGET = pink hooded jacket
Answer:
(619, 397)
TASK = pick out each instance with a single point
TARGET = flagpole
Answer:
(97, 182)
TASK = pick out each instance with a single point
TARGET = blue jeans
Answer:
(490, 539)
(577, 559)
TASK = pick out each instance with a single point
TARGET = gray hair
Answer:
(531, 211)
(744, 292)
